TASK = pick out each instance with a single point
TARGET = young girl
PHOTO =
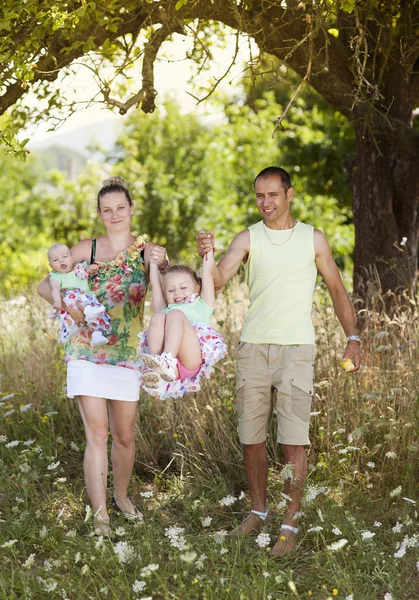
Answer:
(180, 346)
(72, 279)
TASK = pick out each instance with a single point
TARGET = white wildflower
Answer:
(338, 431)
(60, 480)
(77, 557)
(387, 595)
(25, 468)
(402, 243)
(189, 557)
(315, 529)
(138, 586)
(397, 528)
(120, 531)
(396, 491)
(408, 542)
(9, 544)
(175, 538)
(377, 523)
(206, 522)
(43, 532)
(3, 439)
(367, 535)
(200, 562)
(338, 544)
(241, 495)
(84, 569)
(350, 597)
(223, 551)
(315, 490)
(281, 504)
(71, 533)
(348, 449)
(53, 465)
(219, 536)
(336, 531)
(13, 444)
(287, 472)
(266, 574)
(228, 500)
(381, 334)
(263, 540)
(50, 413)
(9, 412)
(149, 569)
(391, 454)
(8, 397)
(371, 464)
(88, 514)
(25, 407)
(124, 552)
(29, 561)
(28, 442)
(49, 586)
(74, 447)
(146, 494)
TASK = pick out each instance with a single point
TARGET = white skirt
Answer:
(85, 378)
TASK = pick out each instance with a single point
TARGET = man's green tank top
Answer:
(281, 274)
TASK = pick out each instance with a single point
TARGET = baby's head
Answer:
(60, 259)
(179, 282)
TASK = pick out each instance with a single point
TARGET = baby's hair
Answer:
(114, 184)
(184, 269)
(54, 247)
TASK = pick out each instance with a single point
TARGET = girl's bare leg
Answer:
(181, 340)
(122, 423)
(155, 334)
(95, 419)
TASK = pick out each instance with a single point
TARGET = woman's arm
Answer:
(56, 293)
(208, 291)
(159, 301)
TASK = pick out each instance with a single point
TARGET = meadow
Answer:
(359, 518)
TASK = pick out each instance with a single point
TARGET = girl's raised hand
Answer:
(205, 242)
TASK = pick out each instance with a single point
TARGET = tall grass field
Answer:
(359, 520)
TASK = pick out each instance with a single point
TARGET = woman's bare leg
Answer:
(95, 419)
(181, 340)
(122, 423)
(155, 333)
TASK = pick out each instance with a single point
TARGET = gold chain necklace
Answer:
(281, 243)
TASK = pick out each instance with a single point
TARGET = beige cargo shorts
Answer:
(272, 378)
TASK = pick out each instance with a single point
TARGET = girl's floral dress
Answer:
(120, 285)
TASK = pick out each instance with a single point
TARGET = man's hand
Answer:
(158, 257)
(205, 242)
(353, 352)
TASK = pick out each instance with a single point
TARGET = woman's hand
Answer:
(158, 257)
(76, 314)
(205, 242)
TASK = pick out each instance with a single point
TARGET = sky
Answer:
(171, 72)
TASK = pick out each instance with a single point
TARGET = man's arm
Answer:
(341, 302)
(237, 252)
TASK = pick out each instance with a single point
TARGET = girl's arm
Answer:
(207, 291)
(159, 301)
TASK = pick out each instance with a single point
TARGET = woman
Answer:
(97, 374)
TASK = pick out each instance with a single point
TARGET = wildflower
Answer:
(223, 551)
(200, 562)
(371, 465)
(219, 536)
(8, 397)
(176, 539)
(278, 578)
(206, 522)
(388, 596)
(228, 501)
(336, 531)
(335, 592)
(381, 334)
(367, 535)
(402, 243)
(49, 586)
(29, 561)
(49, 414)
(266, 574)
(74, 447)
(43, 533)
(120, 531)
(319, 512)
(3, 438)
(337, 545)
(77, 557)
(397, 528)
(188, 557)
(28, 442)
(341, 430)
(138, 586)
(84, 569)
(317, 528)
(287, 472)
(149, 569)
(13, 444)
(241, 496)
(53, 465)
(281, 504)
(8, 544)
(391, 455)
(25, 468)
(315, 490)
(350, 597)
(396, 491)
(60, 480)
(124, 552)
(348, 449)
(407, 542)
(9, 412)
(263, 540)
(146, 494)
(377, 523)
(88, 514)
(71, 533)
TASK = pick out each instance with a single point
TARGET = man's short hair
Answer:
(278, 172)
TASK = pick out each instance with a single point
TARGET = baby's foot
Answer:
(164, 364)
(98, 339)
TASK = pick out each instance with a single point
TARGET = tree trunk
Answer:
(385, 206)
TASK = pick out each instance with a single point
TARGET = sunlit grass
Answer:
(359, 521)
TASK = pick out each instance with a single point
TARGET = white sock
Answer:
(262, 515)
(293, 529)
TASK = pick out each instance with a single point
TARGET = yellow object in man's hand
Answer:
(347, 365)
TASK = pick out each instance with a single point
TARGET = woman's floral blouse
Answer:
(120, 285)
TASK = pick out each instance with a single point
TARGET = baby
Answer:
(72, 279)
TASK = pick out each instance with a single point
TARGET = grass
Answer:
(362, 485)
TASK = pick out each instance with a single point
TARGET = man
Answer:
(276, 350)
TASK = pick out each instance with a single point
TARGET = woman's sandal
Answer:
(135, 516)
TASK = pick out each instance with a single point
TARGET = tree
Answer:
(362, 56)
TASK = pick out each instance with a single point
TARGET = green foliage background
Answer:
(186, 173)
